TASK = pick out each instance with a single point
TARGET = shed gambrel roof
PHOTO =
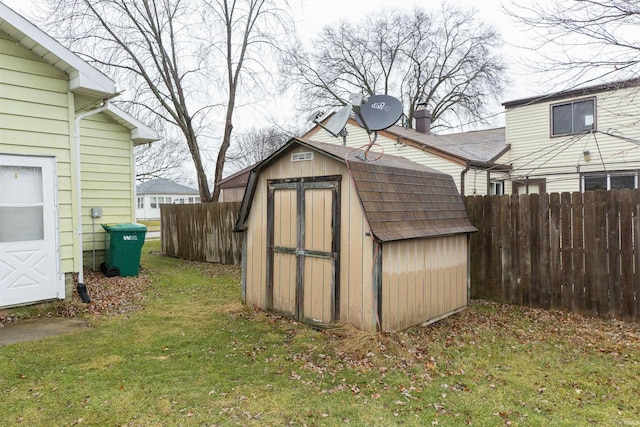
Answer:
(401, 199)
(236, 180)
(164, 186)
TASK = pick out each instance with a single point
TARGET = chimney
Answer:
(423, 120)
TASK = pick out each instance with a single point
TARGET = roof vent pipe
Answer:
(423, 120)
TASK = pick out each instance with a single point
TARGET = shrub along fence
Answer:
(201, 232)
(577, 252)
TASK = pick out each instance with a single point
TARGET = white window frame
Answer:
(154, 202)
(608, 175)
(140, 202)
(496, 188)
(573, 105)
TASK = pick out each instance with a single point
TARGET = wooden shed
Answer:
(380, 243)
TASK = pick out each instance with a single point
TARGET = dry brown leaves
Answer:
(400, 350)
(109, 295)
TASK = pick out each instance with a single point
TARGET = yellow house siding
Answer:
(560, 159)
(34, 111)
(107, 174)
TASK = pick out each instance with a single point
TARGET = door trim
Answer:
(300, 185)
(48, 165)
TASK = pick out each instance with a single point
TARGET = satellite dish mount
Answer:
(337, 124)
(377, 112)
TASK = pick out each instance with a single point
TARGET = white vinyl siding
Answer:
(475, 181)
(561, 160)
(151, 211)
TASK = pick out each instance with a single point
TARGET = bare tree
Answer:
(182, 61)
(256, 145)
(445, 59)
(162, 159)
(583, 39)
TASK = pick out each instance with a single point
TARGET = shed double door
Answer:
(303, 262)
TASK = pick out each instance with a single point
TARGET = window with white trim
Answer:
(496, 188)
(154, 202)
(140, 202)
(609, 180)
(573, 117)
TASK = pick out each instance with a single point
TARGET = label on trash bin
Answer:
(132, 237)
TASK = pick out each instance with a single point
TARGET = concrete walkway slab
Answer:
(27, 330)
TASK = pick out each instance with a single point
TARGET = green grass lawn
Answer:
(152, 225)
(193, 355)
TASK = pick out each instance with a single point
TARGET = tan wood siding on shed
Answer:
(422, 279)
(356, 294)
(284, 235)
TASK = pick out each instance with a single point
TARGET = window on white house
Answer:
(573, 117)
(154, 202)
(530, 186)
(496, 188)
(609, 181)
(140, 202)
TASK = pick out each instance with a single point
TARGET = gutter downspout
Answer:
(82, 289)
(463, 175)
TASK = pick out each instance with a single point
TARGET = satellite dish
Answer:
(339, 120)
(379, 112)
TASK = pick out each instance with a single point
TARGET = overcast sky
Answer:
(314, 14)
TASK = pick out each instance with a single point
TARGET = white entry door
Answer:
(28, 255)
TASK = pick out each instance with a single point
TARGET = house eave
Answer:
(83, 77)
(140, 133)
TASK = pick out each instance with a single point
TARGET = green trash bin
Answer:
(122, 250)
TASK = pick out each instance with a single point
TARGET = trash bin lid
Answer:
(125, 228)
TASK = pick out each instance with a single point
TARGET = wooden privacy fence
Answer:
(201, 232)
(577, 252)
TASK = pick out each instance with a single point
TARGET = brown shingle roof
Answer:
(480, 146)
(401, 199)
(236, 180)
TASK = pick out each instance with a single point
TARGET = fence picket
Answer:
(576, 252)
(555, 242)
(201, 232)
(626, 256)
(566, 252)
